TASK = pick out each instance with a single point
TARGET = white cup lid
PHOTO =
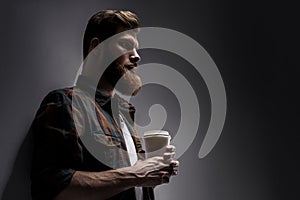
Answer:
(156, 133)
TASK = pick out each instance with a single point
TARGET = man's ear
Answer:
(94, 42)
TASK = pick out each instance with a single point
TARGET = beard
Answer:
(122, 79)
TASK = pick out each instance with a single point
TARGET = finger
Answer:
(168, 156)
(174, 163)
(173, 170)
(170, 148)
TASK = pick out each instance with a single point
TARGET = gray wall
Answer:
(252, 43)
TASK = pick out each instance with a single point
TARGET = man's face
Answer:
(120, 73)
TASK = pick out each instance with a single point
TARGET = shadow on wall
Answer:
(18, 185)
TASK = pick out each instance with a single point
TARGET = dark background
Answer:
(253, 43)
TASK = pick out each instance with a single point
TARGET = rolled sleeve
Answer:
(56, 147)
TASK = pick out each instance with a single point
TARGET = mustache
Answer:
(131, 66)
(128, 66)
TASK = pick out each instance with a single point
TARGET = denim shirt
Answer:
(62, 125)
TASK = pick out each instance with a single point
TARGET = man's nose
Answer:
(134, 56)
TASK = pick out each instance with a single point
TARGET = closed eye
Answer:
(126, 45)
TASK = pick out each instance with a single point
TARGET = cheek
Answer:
(122, 60)
(116, 51)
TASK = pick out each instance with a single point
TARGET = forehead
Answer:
(129, 36)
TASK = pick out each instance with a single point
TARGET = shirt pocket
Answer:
(108, 140)
(110, 150)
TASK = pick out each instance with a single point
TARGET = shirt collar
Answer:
(101, 97)
(87, 85)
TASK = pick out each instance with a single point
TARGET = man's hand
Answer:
(103, 185)
(156, 170)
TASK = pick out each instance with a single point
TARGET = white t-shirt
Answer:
(131, 150)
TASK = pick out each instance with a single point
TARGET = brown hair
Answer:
(105, 24)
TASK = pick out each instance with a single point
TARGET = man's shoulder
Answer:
(61, 95)
(56, 101)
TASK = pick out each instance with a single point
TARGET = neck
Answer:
(103, 85)
(106, 87)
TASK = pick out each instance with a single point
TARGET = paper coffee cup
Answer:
(155, 142)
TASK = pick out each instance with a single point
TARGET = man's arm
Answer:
(96, 185)
(102, 185)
